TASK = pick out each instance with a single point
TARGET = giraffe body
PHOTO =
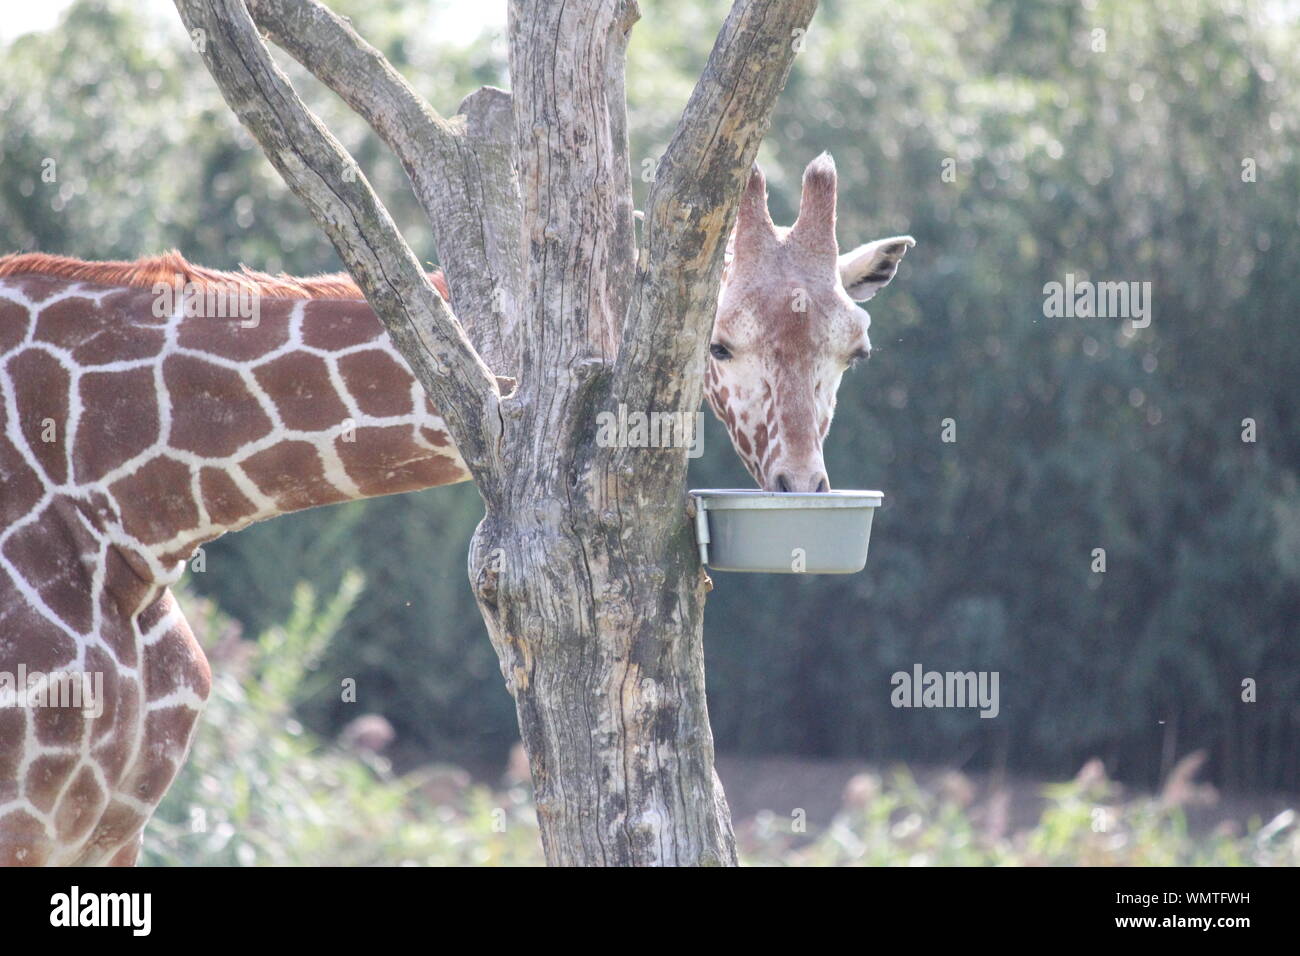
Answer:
(127, 440)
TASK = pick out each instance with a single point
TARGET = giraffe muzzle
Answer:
(799, 482)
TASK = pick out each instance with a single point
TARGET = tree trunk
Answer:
(584, 565)
(594, 600)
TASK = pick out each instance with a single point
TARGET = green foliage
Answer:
(1122, 164)
(258, 789)
(414, 643)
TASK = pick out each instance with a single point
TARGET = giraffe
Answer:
(141, 416)
(128, 438)
(787, 328)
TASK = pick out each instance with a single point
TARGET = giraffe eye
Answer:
(719, 351)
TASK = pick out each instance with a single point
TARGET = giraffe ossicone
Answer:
(141, 417)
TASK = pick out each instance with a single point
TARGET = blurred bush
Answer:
(894, 822)
(260, 790)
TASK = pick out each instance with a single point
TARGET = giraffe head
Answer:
(788, 327)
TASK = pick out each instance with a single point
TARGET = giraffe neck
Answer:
(165, 428)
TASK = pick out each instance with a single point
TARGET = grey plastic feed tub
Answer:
(784, 532)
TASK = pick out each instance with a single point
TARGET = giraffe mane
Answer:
(144, 273)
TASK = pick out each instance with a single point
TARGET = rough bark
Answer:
(584, 565)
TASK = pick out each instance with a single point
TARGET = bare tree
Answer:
(584, 565)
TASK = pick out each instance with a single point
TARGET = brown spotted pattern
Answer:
(127, 440)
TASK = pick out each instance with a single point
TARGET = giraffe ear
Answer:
(868, 268)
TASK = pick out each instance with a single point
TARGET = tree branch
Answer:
(462, 170)
(489, 211)
(692, 204)
(319, 170)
